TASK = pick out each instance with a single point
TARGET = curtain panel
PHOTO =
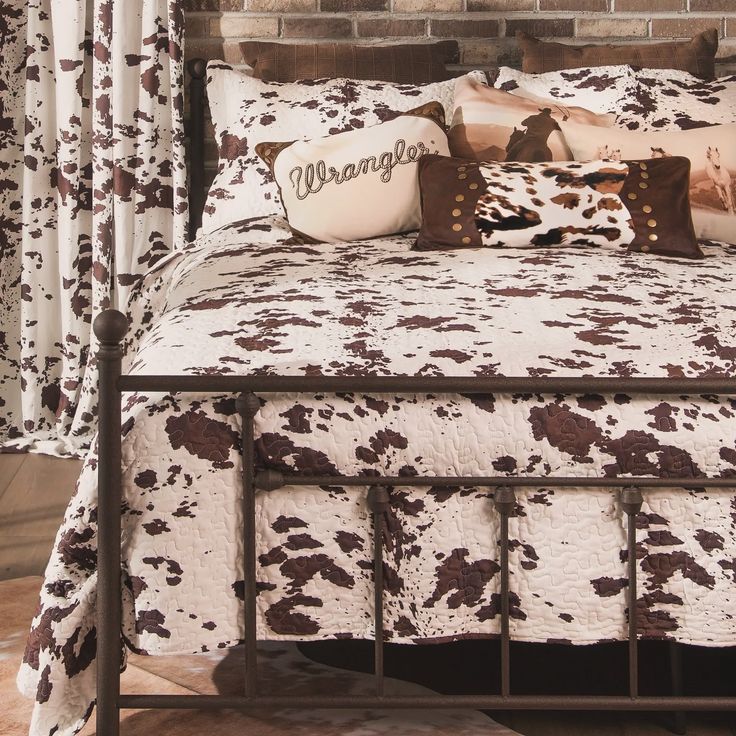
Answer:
(92, 194)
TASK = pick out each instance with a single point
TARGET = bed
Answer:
(359, 440)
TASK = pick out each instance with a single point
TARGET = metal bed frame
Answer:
(110, 328)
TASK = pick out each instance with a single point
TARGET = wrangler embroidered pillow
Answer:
(493, 125)
(521, 205)
(712, 154)
(359, 184)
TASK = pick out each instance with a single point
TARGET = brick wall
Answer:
(484, 28)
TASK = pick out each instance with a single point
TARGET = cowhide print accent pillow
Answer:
(493, 125)
(696, 56)
(247, 111)
(522, 205)
(598, 89)
(358, 184)
(674, 100)
(712, 154)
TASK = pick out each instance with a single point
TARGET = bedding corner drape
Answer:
(92, 193)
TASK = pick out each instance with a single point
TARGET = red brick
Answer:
(712, 5)
(541, 26)
(650, 6)
(317, 27)
(382, 27)
(213, 5)
(597, 6)
(447, 28)
(504, 6)
(350, 6)
(683, 27)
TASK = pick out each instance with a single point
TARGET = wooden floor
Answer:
(34, 492)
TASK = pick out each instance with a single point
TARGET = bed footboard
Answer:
(110, 328)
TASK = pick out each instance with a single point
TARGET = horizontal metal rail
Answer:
(264, 481)
(426, 384)
(476, 702)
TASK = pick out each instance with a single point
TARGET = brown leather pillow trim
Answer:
(696, 56)
(418, 63)
(656, 193)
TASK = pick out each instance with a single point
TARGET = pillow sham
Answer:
(696, 56)
(601, 89)
(248, 111)
(521, 205)
(712, 153)
(409, 63)
(358, 184)
(492, 125)
(675, 100)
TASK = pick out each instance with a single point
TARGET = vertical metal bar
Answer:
(378, 502)
(504, 499)
(109, 327)
(248, 406)
(631, 502)
(679, 718)
(197, 70)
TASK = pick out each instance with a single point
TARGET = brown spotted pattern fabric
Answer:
(77, 227)
(247, 299)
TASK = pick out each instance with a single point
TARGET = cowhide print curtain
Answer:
(92, 193)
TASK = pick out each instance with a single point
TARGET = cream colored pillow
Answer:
(359, 184)
(712, 154)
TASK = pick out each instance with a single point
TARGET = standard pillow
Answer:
(359, 184)
(712, 153)
(674, 100)
(601, 89)
(409, 63)
(521, 205)
(248, 111)
(492, 125)
(696, 56)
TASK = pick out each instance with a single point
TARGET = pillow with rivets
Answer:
(712, 155)
(498, 204)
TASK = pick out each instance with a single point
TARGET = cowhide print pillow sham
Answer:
(493, 125)
(696, 56)
(675, 100)
(598, 89)
(712, 154)
(247, 111)
(358, 184)
(522, 205)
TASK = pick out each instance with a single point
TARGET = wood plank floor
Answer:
(34, 492)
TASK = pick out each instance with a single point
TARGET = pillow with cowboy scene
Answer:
(712, 154)
(492, 125)
(495, 204)
(358, 184)
(598, 89)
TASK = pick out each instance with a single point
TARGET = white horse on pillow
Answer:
(721, 178)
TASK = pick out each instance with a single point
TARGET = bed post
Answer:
(110, 327)
(197, 71)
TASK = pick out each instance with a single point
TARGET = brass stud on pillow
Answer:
(472, 186)
(652, 223)
(647, 209)
(457, 227)
(633, 197)
(456, 213)
(460, 198)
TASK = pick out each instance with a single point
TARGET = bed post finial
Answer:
(197, 68)
(110, 327)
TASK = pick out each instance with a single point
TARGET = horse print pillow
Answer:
(712, 154)
(521, 205)
(492, 125)
(358, 184)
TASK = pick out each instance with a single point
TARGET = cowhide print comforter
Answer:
(242, 300)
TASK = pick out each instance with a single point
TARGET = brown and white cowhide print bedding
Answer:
(282, 669)
(246, 300)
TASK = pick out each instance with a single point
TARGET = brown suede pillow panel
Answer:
(638, 205)
(414, 63)
(696, 56)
